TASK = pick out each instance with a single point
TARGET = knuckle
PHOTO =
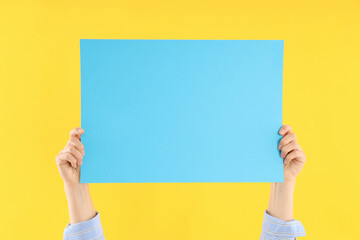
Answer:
(297, 153)
(73, 140)
(72, 143)
(283, 154)
(292, 145)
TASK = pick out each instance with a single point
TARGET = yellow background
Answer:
(40, 104)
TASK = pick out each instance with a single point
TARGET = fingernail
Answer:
(281, 131)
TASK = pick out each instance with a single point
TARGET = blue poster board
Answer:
(181, 110)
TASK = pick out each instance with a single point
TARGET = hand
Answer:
(294, 157)
(70, 158)
(281, 193)
(69, 161)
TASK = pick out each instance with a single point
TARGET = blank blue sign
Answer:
(181, 110)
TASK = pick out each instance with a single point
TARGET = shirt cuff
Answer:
(281, 229)
(91, 229)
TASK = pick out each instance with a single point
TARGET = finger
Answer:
(292, 155)
(60, 158)
(289, 137)
(64, 157)
(285, 129)
(80, 162)
(77, 144)
(77, 132)
(288, 148)
(71, 159)
(75, 152)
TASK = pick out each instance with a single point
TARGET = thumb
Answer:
(77, 132)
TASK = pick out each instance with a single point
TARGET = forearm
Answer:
(278, 222)
(80, 205)
(281, 200)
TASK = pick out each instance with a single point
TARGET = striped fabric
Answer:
(272, 229)
(89, 230)
(276, 229)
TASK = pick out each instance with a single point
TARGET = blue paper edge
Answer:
(83, 179)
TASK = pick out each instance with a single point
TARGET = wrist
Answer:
(281, 199)
(287, 186)
(288, 181)
(76, 189)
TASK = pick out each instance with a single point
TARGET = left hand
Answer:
(291, 152)
(70, 159)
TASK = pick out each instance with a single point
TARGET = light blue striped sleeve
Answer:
(89, 230)
(276, 229)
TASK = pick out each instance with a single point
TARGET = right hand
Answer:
(70, 158)
(293, 155)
